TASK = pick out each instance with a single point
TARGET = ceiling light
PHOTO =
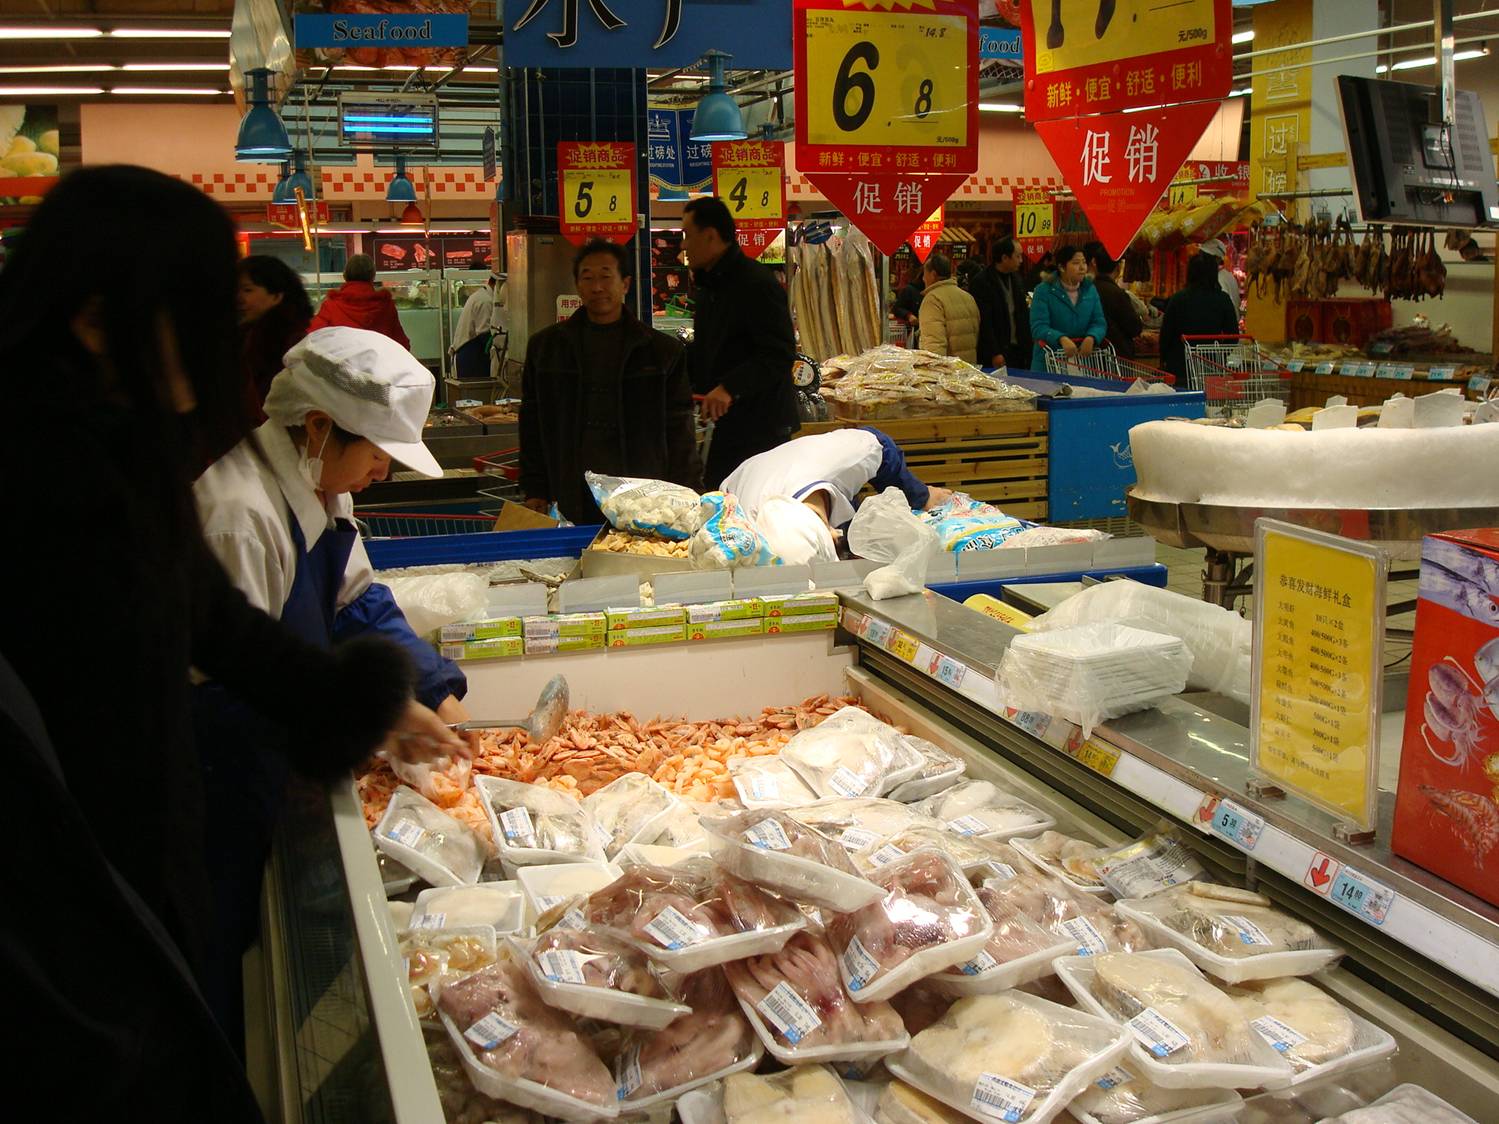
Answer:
(168, 91)
(49, 91)
(163, 67)
(1000, 107)
(167, 33)
(262, 135)
(75, 68)
(1244, 36)
(1429, 60)
(1242, 91)
(279, 193)
(717, 117)
(412, 215)
(48, 32)
(400, 189)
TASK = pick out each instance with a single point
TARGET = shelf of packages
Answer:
(1440, 943)
(1369, 382)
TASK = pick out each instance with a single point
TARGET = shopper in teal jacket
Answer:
(1066, 313)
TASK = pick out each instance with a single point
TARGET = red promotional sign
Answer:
(596, 190)
(886, 107)
(285, 214)
(1120, 164)
(749, 176)
(1104, 58)
(924, 237)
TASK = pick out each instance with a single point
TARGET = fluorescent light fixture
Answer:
(1242, 91)
(1244, 36)
(1000, 107)
(164, 67)
(49, 32)
(168, 91)
(75, 68)
(168, 33)
(1430, 60)
(48, 91)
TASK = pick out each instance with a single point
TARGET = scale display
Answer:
(388, 122)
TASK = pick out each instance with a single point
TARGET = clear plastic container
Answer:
(534, 825)
(597, 974)
(1123, 1096)
(775, 851)
(421, 836)
(1061, 856)
(983, 809)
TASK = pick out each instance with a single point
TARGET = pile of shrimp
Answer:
(689, 758)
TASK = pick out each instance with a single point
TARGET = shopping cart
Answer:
(1233, 373)
(410, 525)
(1102, 363)
(503, 467)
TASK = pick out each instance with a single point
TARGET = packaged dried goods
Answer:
(1315, 1033)
(651, 506)
(852, 754)
(500, 905)
(420, 835)
(1011, 1057)
(598, 974)
(926, 919)
(796, 1001)
(653, 546)
(895, 382)
(517, 1048)
(1233, 934)
(1187, 1033)
(773, 850)
(768, 782)
(1124, 1096)
(940, 770)
(727, 537)
(981, 808)
(534, 825)
(1148, 865)
(1074, 861)
(632, 809)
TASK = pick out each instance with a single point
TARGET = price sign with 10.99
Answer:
(596, 188)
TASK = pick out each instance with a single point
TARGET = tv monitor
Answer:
(388, 122)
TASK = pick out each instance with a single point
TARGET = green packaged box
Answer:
(564, 626)
(494, 628)
(720, 630)
(497, 648)
(743, 609)
(801, 622)
(800, 604)
(638, 637)
(547, 645)
(630, 619)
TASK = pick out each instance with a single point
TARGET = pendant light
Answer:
(281, 194)
(400, 189)
(717, 117)
(262, 136)
(412, 215)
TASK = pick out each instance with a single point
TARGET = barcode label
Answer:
(1001, 1098)
(1089, 940)
(980, 965)
(671, 929)
(789, 1013)
(857, 839)
(1114, 1078)
(858, 966)
(1277, 1033)
(846, 782)
(516, 824)
(407, 833)
(573, 919)
(768, 835)
(1002, 872)
(561, 965)
(489, 1031)
(627, 1072)
(886, 855)
(1157, 1033)
(1249, 932)
(968, 825)
(429, 921)
(757, 787)
(551, 901)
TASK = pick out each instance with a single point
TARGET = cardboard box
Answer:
(564, 626)
(1447, 806)
(723, 630)
(799, 604)
(742, 609)
(547, 645)
(498, 648)
(801, 622)
(495, 628)
(639, 637)
(518, 517)
(631, 619)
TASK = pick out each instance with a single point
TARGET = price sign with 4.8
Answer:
(752, 193)
(596, 190)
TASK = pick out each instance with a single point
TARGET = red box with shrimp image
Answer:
(1447, 808)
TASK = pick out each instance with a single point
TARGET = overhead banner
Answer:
(662, 33)
(886, 107)
(749, 176)
(596, 190)
(381, 32)
(676, 160)
(924, 238)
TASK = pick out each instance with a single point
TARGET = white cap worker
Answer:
(483, 314)
(802, 494)
(1214, 247)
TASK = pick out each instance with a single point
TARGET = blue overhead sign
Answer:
(999, 43)
(412, 31)
(649, 33)
(675, 160)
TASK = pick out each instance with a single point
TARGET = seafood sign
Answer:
(1447, 809)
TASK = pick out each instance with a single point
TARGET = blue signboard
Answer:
(607, 33)
(999, 43)
(425, 30)
(675, 160)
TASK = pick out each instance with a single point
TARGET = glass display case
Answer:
(421, 302)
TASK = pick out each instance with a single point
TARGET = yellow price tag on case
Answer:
(903, 646)
(1183, 193)
(600, 195)
(1034, 220)
(1098, 757)
(890, 79)
(752, 193)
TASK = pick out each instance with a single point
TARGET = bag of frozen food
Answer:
(1154, 862)
(630, 809)
(939, 770)
(927, 918)
(535, 825)
(977, 856)
(1186, 1033)
(1232, 934)
(771, 849)
(811, 1093)
(852, 754)
(727, 537)
(655, 507)
(517, 1048)
(500, 905)
(981, 808)
(420, 835)
(860, 825)
(1011, 1057)
(796, 1001)
(768, 782)
(1074, 861)
(596, 973)
(1315, 1033)
(1123, 1096)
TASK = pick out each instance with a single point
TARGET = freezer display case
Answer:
(1418, 983)
(422, 301)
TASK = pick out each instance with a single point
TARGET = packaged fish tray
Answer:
(978, 856)
(1404, 1103)
(773, 850)
(983, 809)
(1234, 935)
(808, 1092)
(851, 754)
(1187, 1033)
(534, 825)
(431, 956)
(422, 837)
(940, 771)
(1010, 1057)
(1021, 946)
(633, 808)
(501, 905)
(1123, 1096)
(1066, 858)
(1310, 1029)
(597, 974)
(768, 782)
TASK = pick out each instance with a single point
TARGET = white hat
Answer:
(1214, 247)
(367, 383)
(795, 532)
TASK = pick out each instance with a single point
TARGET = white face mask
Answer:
(311, 467)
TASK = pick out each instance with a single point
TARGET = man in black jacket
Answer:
(604, 393)
(1124, 322)
(1004, 322)
(743, 345)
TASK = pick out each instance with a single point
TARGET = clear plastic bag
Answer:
(597, 974)
(1154, 862)
(852, 754)
(859, 826)
(1074, 861)
(978, 856)
(631, 809)
(1123, 1096)
(768, 782)
(1315, 1033)
(981, 808)
(429, 601)
(796, 1001)
(773, 850)
(727, 537)
(534, 825)
(928, 918)
(649, 506)
(442, 780)
(1011, 1057)
(421, 836)
(437, 957)
(940, 770)
(1092, 673)
(884, 530)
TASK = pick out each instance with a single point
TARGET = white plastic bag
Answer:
(852, 754)
(884, 530)
(727, 537)
(535, 826)
(430, 601)
(1221, 642)
(423, 837)
(655, 507)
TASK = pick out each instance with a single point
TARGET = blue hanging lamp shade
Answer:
(299, 178)
(400, 189)
(262, 136)
(283, 194)
(717, 117)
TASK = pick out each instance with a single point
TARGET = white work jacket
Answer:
(839, 463)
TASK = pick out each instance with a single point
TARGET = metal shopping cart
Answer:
(503, 468)
(1102, 363)
(1233, 373)
(409, 525)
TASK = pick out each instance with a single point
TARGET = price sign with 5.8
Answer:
(597, 195)
(596, 185)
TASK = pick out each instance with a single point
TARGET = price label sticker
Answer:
(887, 855)
(996, 871)
(857, 839)
(859, 968)
(847, 783)
(1114, 1078)
(407, 833)
(752, 193)
(757, 787)
(979, 965)
(429, 921)
(1089, 940)
(948, 671)
(1361, 896)
(547, 902)
(1242, 829)
(1183, 193)
(903, 646)
(1001, 1098)
(877, 632)
(516, 825)
(627, 1072)
(1277, 1033)
(887, 79)
(672, 929)
(768, 835)
(1398, 371)
(1440, 374)
(561, 965)
(597, 195)
(573, 919)
(1158, 1034)
(968, 825)
(789, 1013)
(1249, 932)
(1097, 756)
(489, 1031)
(853, 621)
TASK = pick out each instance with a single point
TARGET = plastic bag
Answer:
(430, 601)
(1074, 861)
(630, 809)
(1091, 673)
(534, 825)
(939, 770)
(1315, 1033)
(768, 782)
(650, 506)
(1011, 1057)
(1054, 536)
(976, 855)
(727, 537)
(928, 918)
(858, 825)
(884, 530)
(798, 1006)
(981, 808)
(421, 836)
(598, 974)
(434, 956)
(775, 851)
(1219, 640)
(1154, 862)
(443, 780)
(852, 754)
(1405, 1104)
(976, 532)
(1123, 1096)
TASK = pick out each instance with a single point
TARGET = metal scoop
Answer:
(541, 724)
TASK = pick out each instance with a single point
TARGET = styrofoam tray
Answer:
(543, 885)
(426, 867)
(1026, 848)
(841, 1052)
(1230, 969)
(705, 1105)
(492, 788)
(1220, 1106)
(723, 950)
(1040, 821)
(797, 878)
(518, 1090)
(654, 854)
(757, 1052)
(605, 1004)
(1011, 973)
(508, 914)
(1370, 1043)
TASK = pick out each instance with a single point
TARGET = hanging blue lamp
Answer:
(299, 178)
(282, 194)
(262, 135)
(400, 189)
(717, 117)
(671, 195)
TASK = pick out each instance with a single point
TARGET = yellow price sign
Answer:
(887, 79)
(752, 193)
(1097, 756)
(597, 195)
(1183, 193)
(1034, 220)
(903, 646)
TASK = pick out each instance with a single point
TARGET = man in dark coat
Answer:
(743, 345)
(604, 393)
(1004, 323)
(1124, 322)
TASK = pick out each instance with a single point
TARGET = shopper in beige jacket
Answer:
(949, 316)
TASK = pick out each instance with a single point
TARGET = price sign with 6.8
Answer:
(596, 188)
